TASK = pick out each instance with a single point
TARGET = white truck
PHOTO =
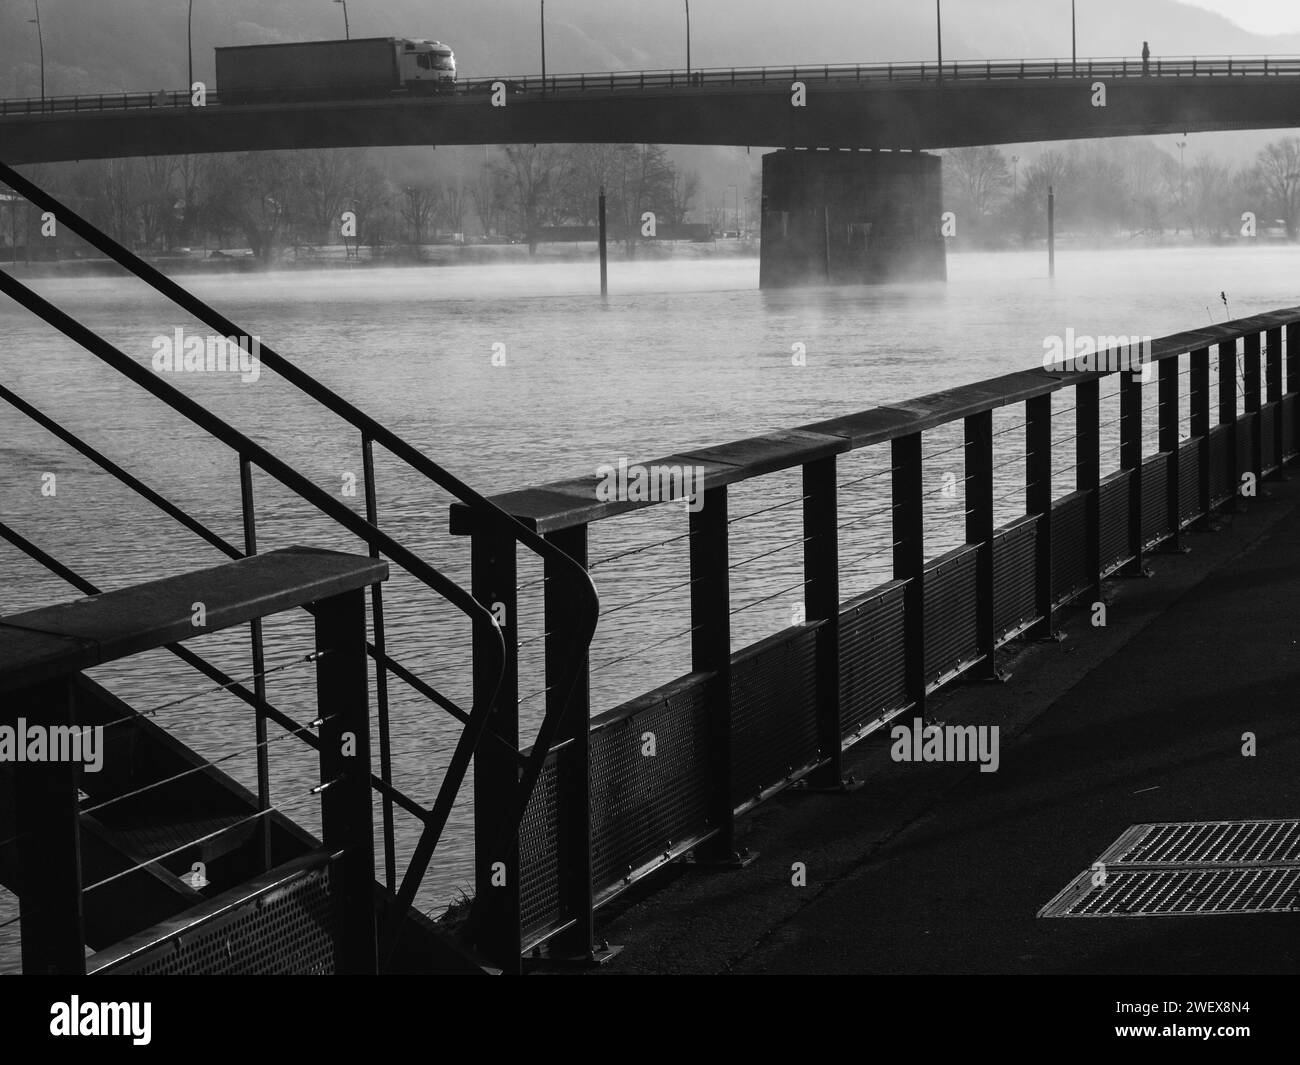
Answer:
(331, 70)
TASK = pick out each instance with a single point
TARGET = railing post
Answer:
(1273, 386)
(1228, 409)
(1251, 372)
(1038, 502)
(47, 821)
(493, 582)
(979, 530)
(1130, 458)
(1087, 471)
(1200, 425)
(711, 653)
(1292, 382)
(346, 817)
(1167, 390)
(573, 761)
(821, 571)
(909, 561)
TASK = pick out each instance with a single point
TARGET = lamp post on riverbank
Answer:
(688, 39)
(40, 40)
(347, 30)
(938, 26)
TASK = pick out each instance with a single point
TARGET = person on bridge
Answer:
(1146, 59)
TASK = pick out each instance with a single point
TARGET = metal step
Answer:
(118, 841)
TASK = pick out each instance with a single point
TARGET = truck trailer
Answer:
(331, 70)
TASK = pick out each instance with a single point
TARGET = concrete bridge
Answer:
(869, 217)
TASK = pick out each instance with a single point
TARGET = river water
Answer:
(682, 354)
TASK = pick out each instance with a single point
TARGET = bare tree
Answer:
(982, 177)
(419, 206)
(454, 206)
(1279, 171)
(489, 196)
(531, 181)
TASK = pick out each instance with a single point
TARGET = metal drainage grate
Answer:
(1208, 843)
(1196, 868)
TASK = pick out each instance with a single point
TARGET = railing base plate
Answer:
(582, 962)
(735, 860)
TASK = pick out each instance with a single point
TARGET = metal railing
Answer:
(744, 78)
(488, 640)
(41, 654)
(743, 724)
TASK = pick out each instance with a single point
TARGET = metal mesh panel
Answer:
(951, 637)
(1205, 867)
(1155, 499)
(1246, 429)
(1268, 435)
(773, 711)
(289, 927)
(1180, 893)
(1069, 547)
(1014, 564)
(1219, 484)
(539, 865)
(1208, 842)
(1189, 481)
(1113, 508)
(639, 803)
(872, 681)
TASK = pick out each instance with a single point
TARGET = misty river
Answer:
(682, 354)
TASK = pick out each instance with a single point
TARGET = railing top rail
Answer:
(53, 641)
(567, 503)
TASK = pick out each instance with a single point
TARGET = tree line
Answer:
(1106, 188)
(272, 201)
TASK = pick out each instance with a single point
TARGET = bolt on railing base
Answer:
(1055, 636)
(846, 785)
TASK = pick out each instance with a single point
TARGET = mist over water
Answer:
(681, 355)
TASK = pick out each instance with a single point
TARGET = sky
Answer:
(1259, 16)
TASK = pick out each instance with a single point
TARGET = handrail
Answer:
(588, 604)
(217, 541)
(876, 425)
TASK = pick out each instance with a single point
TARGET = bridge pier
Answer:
(851, 218)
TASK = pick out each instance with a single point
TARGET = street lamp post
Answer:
(688, 39)
(40, 40)
(938, 24)
(347, 30)
(189, 41)
(543, 46)
(1074, 42)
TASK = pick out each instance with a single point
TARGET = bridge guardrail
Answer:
(728, 77)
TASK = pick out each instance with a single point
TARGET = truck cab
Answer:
(427, 66)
